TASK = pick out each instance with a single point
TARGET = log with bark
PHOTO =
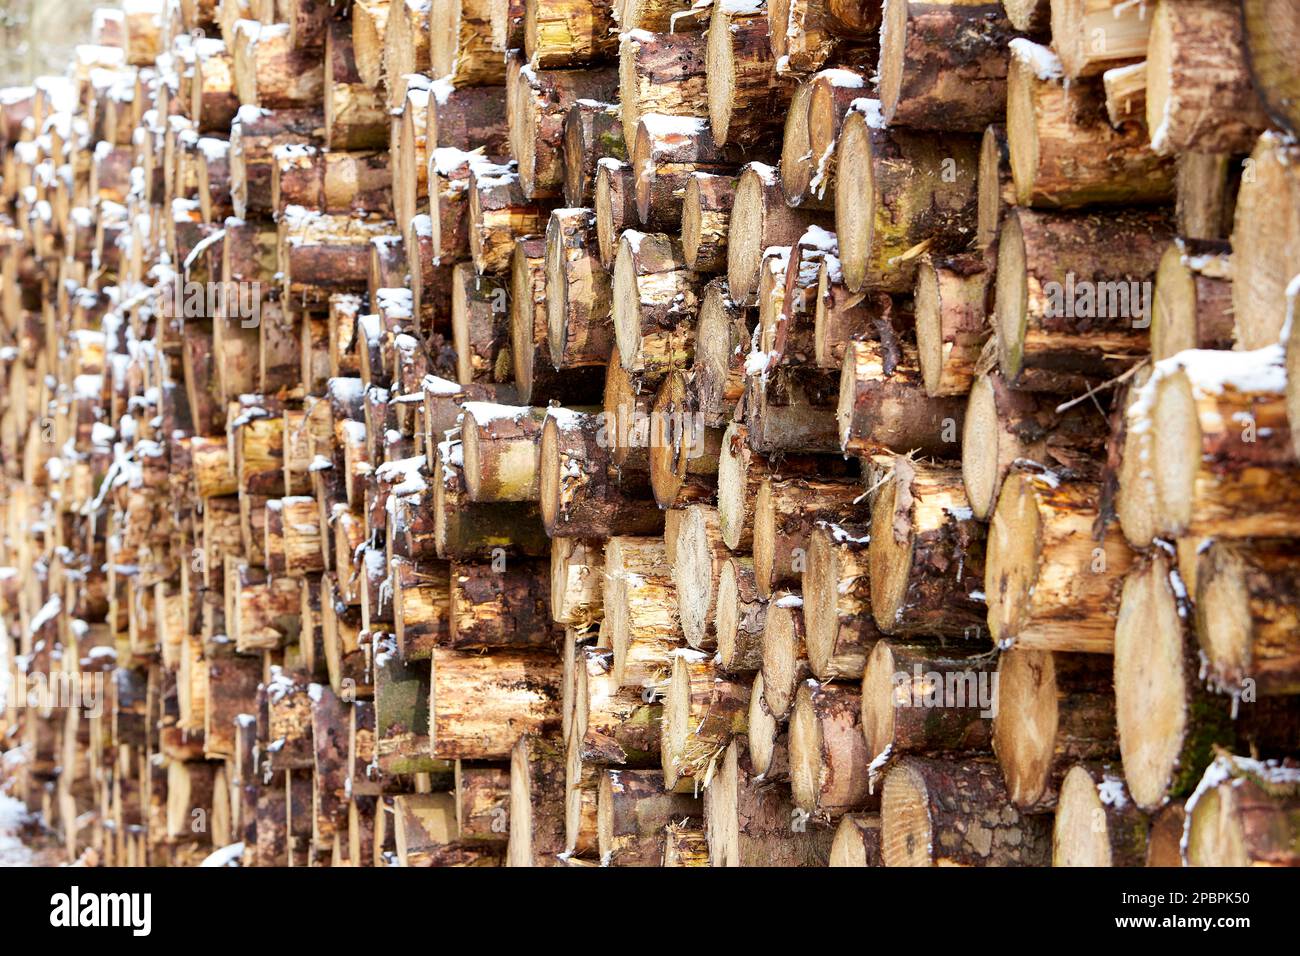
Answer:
(1050, 583)
(942, 65)
(702, 713)
(1192, 307)
(1073, 290)
(579, 292)
(1199, 94)
(1213, 426)
(581, 495)
(1004, 425)
(884, 406)
(750, 824)
(1097, 823)
(951, 321)
(936, 813)
(1168, 722)
(918, 698)
(1063, 150)
(660, 73)
(1244, 615)
(745, 97)
(1242, 814)
(760, 219)
(1270, 29)
(641, 621)
(1053, 710)
(479, 704)
(829, 757)
(899, 193)
(926, 556)
(857, 841)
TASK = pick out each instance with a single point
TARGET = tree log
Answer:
(1168, 723)
(537, 792)
(1265, 240)
(702, 712)
(828, 753)
(634, 811)
(942, 65)
(1053, 711)
(1052, 585)
(919, 699)
(592, 131)
(660, 73)
(897, 190)
(857, 841)
(741, 614)
(479, 704)
(1198, 86)
(1243, 814)
(935, 813)
(1073, 291)
(926, 555)
(641, 621)
(1064, 153)
(884, 406)
(1245, 615)
(1097, 823)
(745, 100)
(951, 313)
(580, 496)
(1092, 36)
(750, 824)
(579, 292)
(1214, 434)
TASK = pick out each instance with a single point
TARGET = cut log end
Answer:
(890, 556)
(720, 75)
(1177, 450)
(1150, 697)
(1024, 730)
(696, 574)
(763, 730)
(1224, 613)
(733, 490)
(785, 661)
(893, 55)
(806, 749)
(857, 841)
(1011, 298)
(549, 472)
(1012, 569)
(905, 819)
(821, 593)
(1096, 823)
(929, 326)
(797, 163)
(980, 467)
(745, 237)
(993, 175)
(877, 699)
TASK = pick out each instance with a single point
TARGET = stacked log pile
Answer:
(569, 432)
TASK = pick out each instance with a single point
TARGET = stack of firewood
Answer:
(606, 432)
